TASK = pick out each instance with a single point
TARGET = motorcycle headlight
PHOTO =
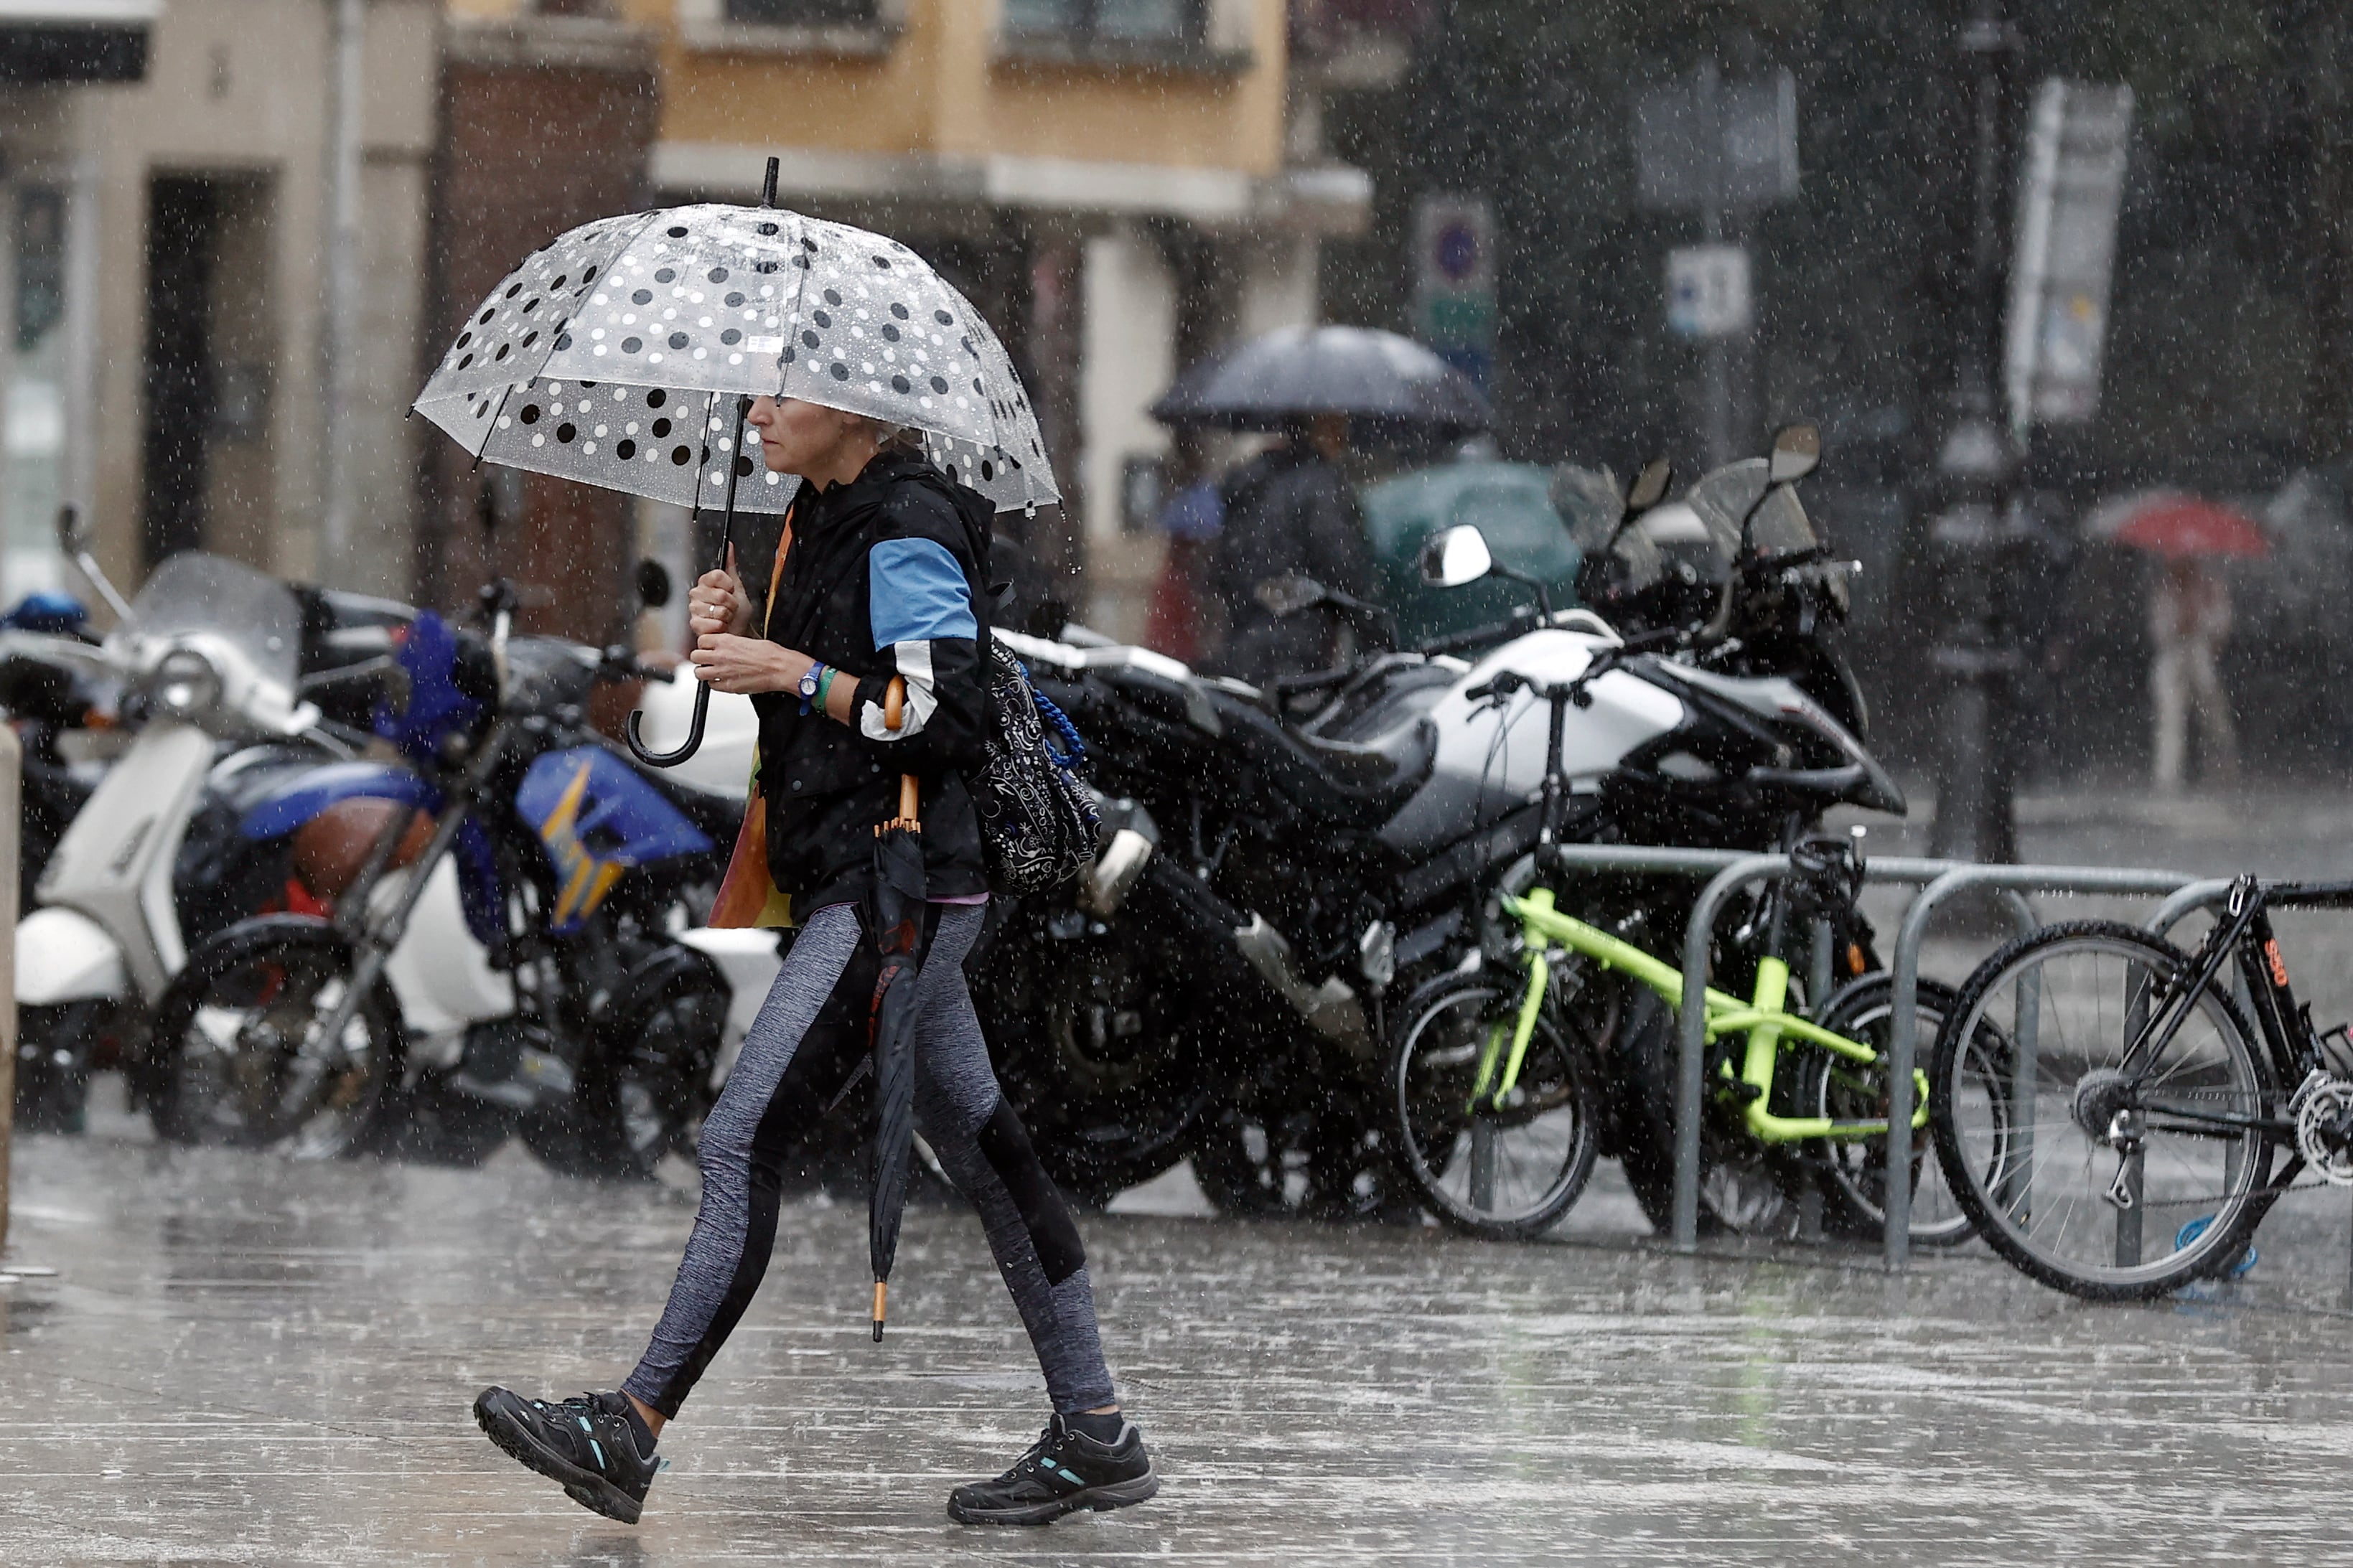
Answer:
(186, 683)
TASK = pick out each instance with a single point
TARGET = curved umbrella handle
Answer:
(693, 742)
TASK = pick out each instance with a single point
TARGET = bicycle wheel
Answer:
(1507, 1173)
(1854, 1175)
(2086, 1175)
(239, 1054)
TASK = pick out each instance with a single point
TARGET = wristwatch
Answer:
(809, 685)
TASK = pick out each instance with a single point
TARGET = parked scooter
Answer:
(208, 656)
(499, 956)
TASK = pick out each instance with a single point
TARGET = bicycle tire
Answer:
(1854, 1193)
(1427, 1081)
(2006, 1221)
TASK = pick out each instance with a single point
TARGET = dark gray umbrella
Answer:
(1374, 377)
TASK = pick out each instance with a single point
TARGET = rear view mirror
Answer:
(653, 583)
(1650, 486)
(73, 538)
(1795, 451)
(1457, 556)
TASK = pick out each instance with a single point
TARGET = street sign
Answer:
(1707, 291)
(2070, 186)
(1710, 143)
(1454, 280)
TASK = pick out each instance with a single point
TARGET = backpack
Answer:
(1037, 822)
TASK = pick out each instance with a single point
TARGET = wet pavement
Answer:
(243, 1359)
(249, 1360)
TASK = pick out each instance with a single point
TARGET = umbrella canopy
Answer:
(2174, 524)
(1300, 372)
(615, 356)
(900, 887)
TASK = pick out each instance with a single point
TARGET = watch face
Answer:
(809, 682)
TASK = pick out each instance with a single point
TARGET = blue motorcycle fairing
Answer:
(293, 802)
(597, 818)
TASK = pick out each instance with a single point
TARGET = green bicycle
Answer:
(1498, 1087)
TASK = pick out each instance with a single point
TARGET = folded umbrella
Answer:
(900, 892)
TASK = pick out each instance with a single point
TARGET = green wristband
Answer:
(824, 686)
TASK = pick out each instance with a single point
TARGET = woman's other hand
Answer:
(746, 665)
(717, 603)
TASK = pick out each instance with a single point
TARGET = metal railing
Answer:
(1939, 882)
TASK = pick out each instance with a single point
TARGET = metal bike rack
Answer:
(1939, 880)
(1903, 1047)
(1691, 1077)
(1732, 871)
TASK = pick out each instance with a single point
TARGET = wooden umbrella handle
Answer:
(894, 712)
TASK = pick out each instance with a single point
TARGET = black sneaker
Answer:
(1063, 1472)
(588, 1444)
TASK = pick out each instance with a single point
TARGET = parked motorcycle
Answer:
(498, 956)
(1215, 985)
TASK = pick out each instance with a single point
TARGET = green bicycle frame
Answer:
(1764, 1018)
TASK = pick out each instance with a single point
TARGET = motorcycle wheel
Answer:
(1090, 1054)
(1307, 1152)
(644, 1090)
(1744, 1187)
(234, 1059)
(1507, 1174)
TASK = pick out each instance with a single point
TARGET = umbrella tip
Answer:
(768, 185)
(881, 1291)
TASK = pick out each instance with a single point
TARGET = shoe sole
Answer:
(589, 1490)
(1092, 1500)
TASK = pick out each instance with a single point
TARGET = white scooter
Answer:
(209, 653)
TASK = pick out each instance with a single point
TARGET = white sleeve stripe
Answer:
(915, 666)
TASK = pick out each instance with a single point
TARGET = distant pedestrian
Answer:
(879, 583)
(2188, 621)
(1289, 509)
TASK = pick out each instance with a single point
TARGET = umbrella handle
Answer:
(692, 743)
(881, 1291)
(894, 698)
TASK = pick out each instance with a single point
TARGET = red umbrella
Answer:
(2174, 524)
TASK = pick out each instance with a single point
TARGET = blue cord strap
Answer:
(1074, 756)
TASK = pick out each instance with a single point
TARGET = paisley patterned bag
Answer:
(1037, 822)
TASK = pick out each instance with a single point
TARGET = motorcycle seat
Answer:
(1348, 784)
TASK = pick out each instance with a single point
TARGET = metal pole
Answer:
(1708, 86)
(1691, 1064)
(11, 759)
(1977, 656)
(341, 337)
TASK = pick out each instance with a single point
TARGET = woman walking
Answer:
(881, 577)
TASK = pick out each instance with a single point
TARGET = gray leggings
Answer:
(767, 1104)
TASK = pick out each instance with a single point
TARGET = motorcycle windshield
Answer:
(1780, 526)
(227, 603)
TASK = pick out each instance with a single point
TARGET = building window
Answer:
(33, 391)
(1107, 21)
(802, 13)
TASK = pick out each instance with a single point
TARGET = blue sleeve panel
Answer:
(917, 593)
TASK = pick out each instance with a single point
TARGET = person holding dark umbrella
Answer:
(866, 668)
(1290, 510)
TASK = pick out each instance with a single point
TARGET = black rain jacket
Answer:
(828, 783)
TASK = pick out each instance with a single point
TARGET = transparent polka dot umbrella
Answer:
(626, 353)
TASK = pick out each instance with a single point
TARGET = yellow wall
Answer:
(939, 90)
